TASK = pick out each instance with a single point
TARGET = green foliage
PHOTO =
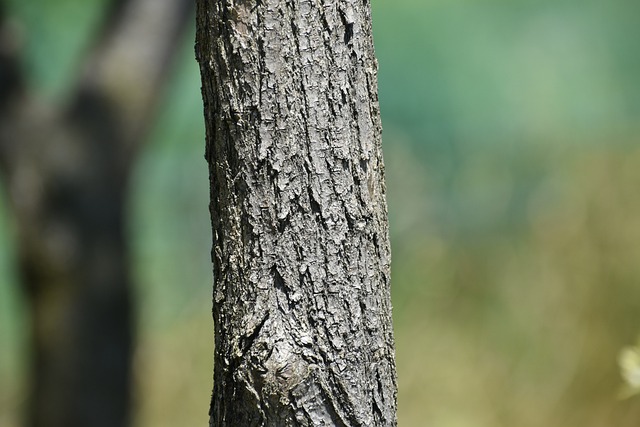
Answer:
(12, 325)
(55, 33)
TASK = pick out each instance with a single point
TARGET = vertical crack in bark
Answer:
(247, 341)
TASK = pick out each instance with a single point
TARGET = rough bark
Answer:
(302, 311)
(66, 172)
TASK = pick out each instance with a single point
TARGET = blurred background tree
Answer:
(66, 163)
(513, 166)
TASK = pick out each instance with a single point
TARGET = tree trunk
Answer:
(302, 310)
(66, 172)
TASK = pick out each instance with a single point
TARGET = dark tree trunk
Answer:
(66, 172)
(66, 188)
(302, 310)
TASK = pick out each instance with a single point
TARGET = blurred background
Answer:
(512, 151)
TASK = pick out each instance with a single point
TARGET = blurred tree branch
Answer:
(66, 171)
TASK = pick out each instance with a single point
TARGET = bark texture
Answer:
(66, 171)
(302, 310)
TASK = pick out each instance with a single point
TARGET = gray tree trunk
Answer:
(302, 310)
